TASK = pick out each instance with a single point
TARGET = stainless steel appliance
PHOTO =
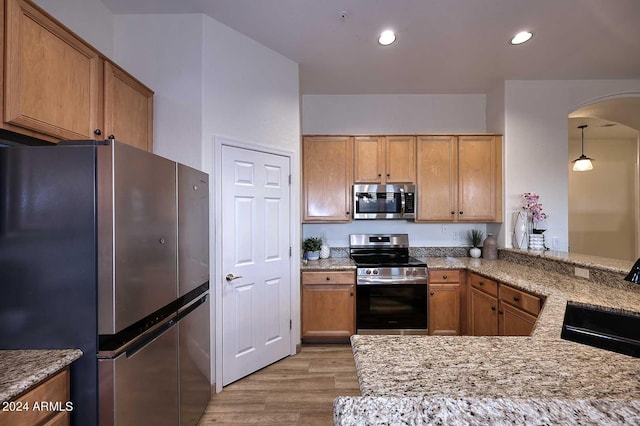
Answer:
(391, 286)
(104, 248)
(396, 201)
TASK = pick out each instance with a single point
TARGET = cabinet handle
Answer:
(461, 212)
(516, 298)
(379, 174)
(97, 132)
(480, 283)
(388, 174)
(453, 212)
(347, 213)
(431, 293)
(444, 277)
(493, 308)
(328, 278)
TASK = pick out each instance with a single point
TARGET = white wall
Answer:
(89, 19)
(536, 153)
(165, 53)
(392, 114)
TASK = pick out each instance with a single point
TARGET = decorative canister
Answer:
(490, 248)
(475, 252)
(325, 251)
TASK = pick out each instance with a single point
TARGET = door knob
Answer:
(231, 277)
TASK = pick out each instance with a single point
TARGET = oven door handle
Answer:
(402, 202)
(390, 280)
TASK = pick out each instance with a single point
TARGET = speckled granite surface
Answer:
(330, 264)
(21, 369)
(435, 379)
(482, 411)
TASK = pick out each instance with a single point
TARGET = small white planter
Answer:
(313, 255)
(475, 252)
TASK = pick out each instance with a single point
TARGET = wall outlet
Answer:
(582, 272)
(444, 229)
(555, 243)
(456, 236)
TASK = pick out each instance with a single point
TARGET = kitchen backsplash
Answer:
(338, 252)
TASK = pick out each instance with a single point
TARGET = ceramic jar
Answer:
(521, 230)
(490, 248)
(475, 252)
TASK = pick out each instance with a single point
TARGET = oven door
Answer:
(391, 307)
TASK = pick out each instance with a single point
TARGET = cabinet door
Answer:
(444, 309)
(483, 314)
(479, 178)
(328, 311)
(368, 157)
(327, 178)
(436, 178)
(515, 322)
(400, 159)
(128, 108)
(52, 79)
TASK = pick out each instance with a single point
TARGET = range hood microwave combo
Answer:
(397, 201)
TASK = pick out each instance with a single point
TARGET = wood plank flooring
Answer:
(298, 390)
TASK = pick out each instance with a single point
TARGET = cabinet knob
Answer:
(347, 213)
(351, 294)
(328, 278)
(493, 308)
(461, 212)
(500, 313)
(481, 283)
(379, 174)
(444, 277)
(453, 212)
(111, 137)
(97, 132)
(431, 293)
(388, 174)
(516, 298)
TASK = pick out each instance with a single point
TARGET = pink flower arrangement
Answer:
(534, 206)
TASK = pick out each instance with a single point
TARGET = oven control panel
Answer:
(399, 275)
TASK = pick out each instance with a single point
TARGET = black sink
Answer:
(602, 328)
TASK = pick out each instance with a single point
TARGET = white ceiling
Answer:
(443, 46)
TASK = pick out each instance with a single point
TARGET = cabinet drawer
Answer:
(344, 277)
(54, 391)
(444, 276)
(520, 299)
(484, 284)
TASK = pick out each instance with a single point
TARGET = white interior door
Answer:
(256, 277)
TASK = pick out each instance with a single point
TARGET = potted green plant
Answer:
(475, 237)
(311, 247)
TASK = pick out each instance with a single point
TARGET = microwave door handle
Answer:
(402, 202)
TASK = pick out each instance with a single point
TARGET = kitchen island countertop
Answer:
(22, 369)
(539, 379)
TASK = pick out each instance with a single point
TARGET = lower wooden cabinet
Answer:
(54, 392)
(497, 309)
(328, 305)
(445, 301)
(483, 314)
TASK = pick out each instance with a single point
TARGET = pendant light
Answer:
(582, 163)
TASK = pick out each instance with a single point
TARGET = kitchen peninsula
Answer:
(536, 379)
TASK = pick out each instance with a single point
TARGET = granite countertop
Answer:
(539, 379)
(21, 369)
(330, 264)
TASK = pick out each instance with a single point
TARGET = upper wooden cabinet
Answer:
(459, 178)
(56, 86)
(128, 108)
(327, 178)
(52, 79)
(384, 159)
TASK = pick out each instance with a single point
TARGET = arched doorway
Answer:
(604, 203)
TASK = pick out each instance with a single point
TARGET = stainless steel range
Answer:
(391, 286)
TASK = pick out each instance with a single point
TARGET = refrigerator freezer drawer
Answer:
(140, 387)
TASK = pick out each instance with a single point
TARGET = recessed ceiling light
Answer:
(387, 37)
(521, 37)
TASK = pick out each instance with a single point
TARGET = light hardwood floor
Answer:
(298, 390)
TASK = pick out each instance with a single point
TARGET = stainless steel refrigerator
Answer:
(104, 247)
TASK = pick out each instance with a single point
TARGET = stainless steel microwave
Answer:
(384, 201)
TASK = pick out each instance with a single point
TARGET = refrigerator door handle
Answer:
(148, 338)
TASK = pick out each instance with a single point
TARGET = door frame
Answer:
(215, 223)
